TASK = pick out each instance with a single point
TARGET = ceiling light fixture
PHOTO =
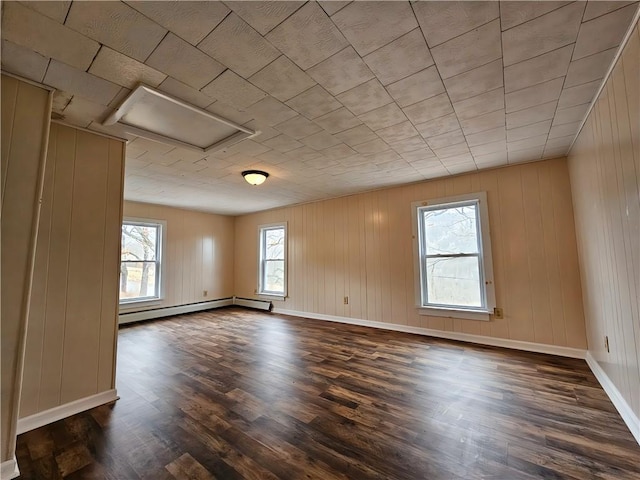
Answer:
(255, 177)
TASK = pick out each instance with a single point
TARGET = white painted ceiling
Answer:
(349, 96)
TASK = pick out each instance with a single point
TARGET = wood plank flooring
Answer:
(233, 393)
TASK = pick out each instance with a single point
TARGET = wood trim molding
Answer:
(624, 409)
(54, 414)
(9, 469)
(463, 337)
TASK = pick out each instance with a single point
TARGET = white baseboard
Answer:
(125, 317)
(463, 337)
(9, 469)
(251, 303)
(624, 409)
(38, 420)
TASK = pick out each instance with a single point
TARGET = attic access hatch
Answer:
(157, 116)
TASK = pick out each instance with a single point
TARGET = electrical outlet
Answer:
(606, 342)
(346, 300)
(498, 313)
(205, 293)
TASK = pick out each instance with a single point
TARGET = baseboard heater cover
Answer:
(125, 317)
(250, 303)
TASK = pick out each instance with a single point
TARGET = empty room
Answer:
(320, 240)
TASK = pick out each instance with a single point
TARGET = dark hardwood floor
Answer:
(234, 393)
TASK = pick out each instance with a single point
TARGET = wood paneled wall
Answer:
(361, 247)
(71, 337)
(198, 254)
(25, 126)
(605, 170)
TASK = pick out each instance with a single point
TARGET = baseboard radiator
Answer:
(250, 303)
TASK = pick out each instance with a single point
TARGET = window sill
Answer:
(137, 303)
(483, 315)
(272, 296)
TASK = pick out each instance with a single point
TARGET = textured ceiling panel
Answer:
(348, 95)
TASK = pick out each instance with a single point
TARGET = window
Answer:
(273, 266)
(140, 261)
(454, 252)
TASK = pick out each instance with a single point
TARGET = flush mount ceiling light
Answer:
(255, 177)
(157, 116)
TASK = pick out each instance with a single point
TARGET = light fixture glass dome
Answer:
(255, 177)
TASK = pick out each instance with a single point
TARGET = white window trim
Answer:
(489, 287)
(286, 260)
(148, 301)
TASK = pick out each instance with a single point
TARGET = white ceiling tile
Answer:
(597, 8)
(332, 6)
(417, 87)
(396, 133)
(266, 132)
(341, 71)
(230, 112)
(60, 100)
(469, 51)
(79, 110)
(564, 130)
(531, 115)
(374, 146)
(320, 140)
(456, 150)
(555, 152)
(383, 117)
(371, 25)
(604, 32)
(263, 16)
(238, 46)
(488, 136)
(282, 143)
(429, 109)
(338, 120)
(124, 71)
(272, 157)
(308, 36)
(538, 69)
(298, 127)
(410, 144)
(339, 152)
(484, 122)
(46, 36)
(314, 102)
(234, 90)
(491, 160)
(543, 34)
(283, 79)
(365, 97)
(438, 126)
(535, 95)
(514, 13)
(80, 83)
(579, 94)
(589, 68)
(475, 82)
(421, 156)
(357, 135)
(442, 21)
(304, 154)
(271, 111)
(23, 61)
(527, 143)
(499, 146)
(480, 104)
(184, 62)
(526, 155)
(185, 92)
(191, 21)
(399, 59)
(444, 140)
(116, 25)
(55, 10)
(570, 114)
(528, 131)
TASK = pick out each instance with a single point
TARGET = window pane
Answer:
(274, 276)
(139, 242)
(137, 279)
(274, 244)
(453, 281)
(451, 230)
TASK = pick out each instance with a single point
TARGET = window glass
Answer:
(139, 262)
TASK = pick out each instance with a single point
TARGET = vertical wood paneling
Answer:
(361, 246)
(25, 128)
(604, 167)
(198, 254)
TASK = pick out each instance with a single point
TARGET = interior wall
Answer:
(71, 336)
(360, 246)
(604, 169)
(198, 255)
(25, 125)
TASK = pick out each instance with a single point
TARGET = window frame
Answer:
(486, 281)
(159, 262)
(261, 261)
